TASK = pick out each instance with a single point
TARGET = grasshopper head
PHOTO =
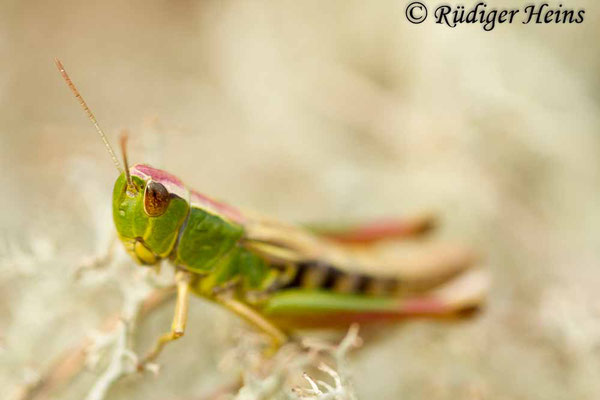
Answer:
(148, 210)
(149, 205)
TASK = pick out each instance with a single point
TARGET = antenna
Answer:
(90, 115)
(124, 152)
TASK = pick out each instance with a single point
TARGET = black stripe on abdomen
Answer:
(312, 275)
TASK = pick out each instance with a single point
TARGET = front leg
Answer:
(182, 279)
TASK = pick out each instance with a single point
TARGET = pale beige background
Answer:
(308, 111)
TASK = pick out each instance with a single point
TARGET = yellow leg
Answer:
(277, 336)
(182, 279)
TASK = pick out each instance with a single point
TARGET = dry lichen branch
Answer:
(322, 390)
(116, 330)
(342, 389)
(263, 377)
(123, 361)
(276, 377)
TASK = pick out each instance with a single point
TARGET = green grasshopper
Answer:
(274, 275)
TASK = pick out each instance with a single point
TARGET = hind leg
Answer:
(321, 308)
(371, 232)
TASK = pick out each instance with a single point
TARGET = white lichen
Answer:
(278, 377)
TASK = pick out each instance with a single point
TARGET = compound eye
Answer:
(156, 199)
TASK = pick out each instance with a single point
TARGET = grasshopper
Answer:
(275, 275)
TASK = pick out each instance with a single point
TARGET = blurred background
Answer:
(310, 111)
